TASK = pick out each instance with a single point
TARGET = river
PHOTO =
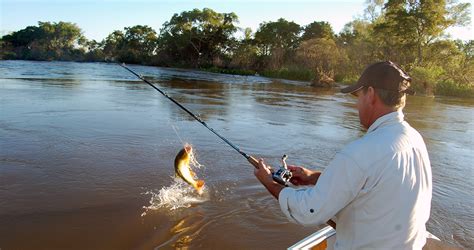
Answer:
(87, 153)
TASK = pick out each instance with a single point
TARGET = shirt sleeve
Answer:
(337, 186)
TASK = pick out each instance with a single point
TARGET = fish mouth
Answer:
(188, 148)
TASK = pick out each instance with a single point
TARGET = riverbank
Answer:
(441, 88)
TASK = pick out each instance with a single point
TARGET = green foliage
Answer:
(139, 43)
(322, 56)
(409, 32)
(196, 37)
(277, 42)
(410, 26)
(426, 78)
(317, 30)
(458, 13)
(113, 45)
(448, 69)
(359, 49)
(291, 74)
(280, 34)
(136, 45)
(245, 54)
(47, 41)
(230, 71)
(450, 88)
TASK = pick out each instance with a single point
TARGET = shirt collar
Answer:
(393, 116)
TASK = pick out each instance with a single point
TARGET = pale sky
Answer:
(99, 18)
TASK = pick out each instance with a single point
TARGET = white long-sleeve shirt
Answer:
(378, 189)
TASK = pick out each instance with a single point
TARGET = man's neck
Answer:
(379, 112)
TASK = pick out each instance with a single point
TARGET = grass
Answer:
(290, 74)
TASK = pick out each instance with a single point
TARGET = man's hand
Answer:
(264, 175)
(303, 176)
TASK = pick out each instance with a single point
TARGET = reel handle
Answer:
(281, 176)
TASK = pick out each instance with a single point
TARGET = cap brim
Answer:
(351, 89)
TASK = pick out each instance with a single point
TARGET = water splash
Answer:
(193, 158)
(178, 195)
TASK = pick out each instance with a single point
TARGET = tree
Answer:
(373, 10)
(322, 56)
(140, 43)
(245, 54)
(137, 44)
(277, 40)
(411, 25)
(94, 51)
(113, 45)
(197, 37)
(47, 41)
(317, 30)
(61, 39)
(455, 58)
(358, 45)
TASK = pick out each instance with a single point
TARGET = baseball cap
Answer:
(383, 75)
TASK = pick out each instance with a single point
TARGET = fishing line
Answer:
(251, 159)
(177, 134)
(193, 159)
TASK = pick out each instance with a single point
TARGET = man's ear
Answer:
(371, 95)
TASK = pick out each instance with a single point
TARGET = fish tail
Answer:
(200, 183)
(199, 186)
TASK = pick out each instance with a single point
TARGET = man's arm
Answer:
(303, 176)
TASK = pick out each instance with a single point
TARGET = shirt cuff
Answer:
(283, 197)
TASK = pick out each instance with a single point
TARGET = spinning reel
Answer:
(282, 175)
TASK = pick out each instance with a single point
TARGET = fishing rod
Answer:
(282, 176)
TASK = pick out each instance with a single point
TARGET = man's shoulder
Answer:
(384, 141)
(358, 151)
(361, 145)
(372, 145)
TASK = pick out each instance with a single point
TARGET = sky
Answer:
(99, 18)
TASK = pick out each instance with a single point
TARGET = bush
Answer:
(425, 78)
(290, 74)
(450, 88)
(349, 79)
(433, 80)
(9, 56)
(244, 72)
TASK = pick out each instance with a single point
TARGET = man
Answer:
(378, 188)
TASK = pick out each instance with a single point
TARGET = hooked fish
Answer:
(183, 170)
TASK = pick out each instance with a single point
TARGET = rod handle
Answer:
(253, 161)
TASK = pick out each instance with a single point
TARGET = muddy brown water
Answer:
(84, 145)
